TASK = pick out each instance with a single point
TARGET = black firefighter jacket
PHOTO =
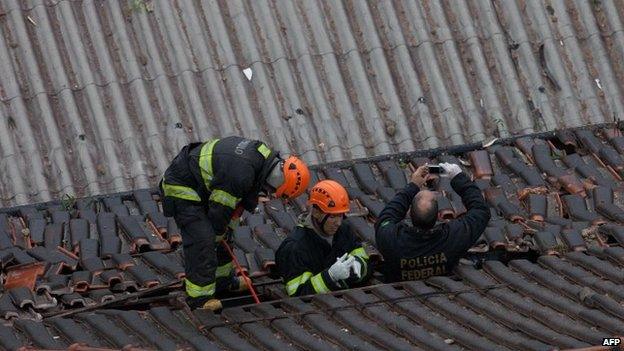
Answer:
(303, 260)
(220, 174)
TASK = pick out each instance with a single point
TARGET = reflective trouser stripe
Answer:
(205, 162)
(293, 284)
(224, 270)
(319, 284)
(194, 290)
(224, 198)
(180, 192)
(264, 150)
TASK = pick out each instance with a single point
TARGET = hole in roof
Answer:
(175, 244)
(144, 248)
(568, 149)
(131, 289)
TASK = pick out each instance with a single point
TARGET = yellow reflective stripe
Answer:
(205, 162)
(194, 290)
(224, 270)
(224, 198)
(181, 192)
(264, 150)
(293, 284)
(319, 284)
(219, 237)
(360, 252)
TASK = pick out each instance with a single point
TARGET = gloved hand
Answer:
(235, 219)
(234, 223)
(342, 268)
(238, 212)
(450, 169)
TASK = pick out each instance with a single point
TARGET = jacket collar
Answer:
(306, 222)
(423, 234)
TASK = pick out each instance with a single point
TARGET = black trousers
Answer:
(207, 263)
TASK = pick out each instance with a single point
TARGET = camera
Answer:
(435, 169)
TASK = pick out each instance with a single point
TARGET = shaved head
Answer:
(424, 210)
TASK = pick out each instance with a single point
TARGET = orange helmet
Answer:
(296, 177)
(330, 197)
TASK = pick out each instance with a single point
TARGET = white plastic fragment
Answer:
(248, 73)
(490, 143)
(598, 83)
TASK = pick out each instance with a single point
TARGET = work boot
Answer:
(239, 283)
(204, 302)
(212, 305)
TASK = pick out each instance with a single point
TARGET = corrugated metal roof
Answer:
(98, 96)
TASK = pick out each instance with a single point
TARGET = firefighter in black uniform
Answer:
(206, 188)
(427, 249)
(322, 254)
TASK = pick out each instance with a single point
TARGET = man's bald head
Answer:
(424, 210)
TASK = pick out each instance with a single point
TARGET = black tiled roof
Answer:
(556, 302)
(547, 271)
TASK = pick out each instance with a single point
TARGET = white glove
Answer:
(342, 268)
(450, 169)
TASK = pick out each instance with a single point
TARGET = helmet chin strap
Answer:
(321, 225)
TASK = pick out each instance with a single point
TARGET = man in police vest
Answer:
(427, 249)
(206, 188)
(322, 254)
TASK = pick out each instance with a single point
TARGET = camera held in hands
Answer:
(435, 169)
